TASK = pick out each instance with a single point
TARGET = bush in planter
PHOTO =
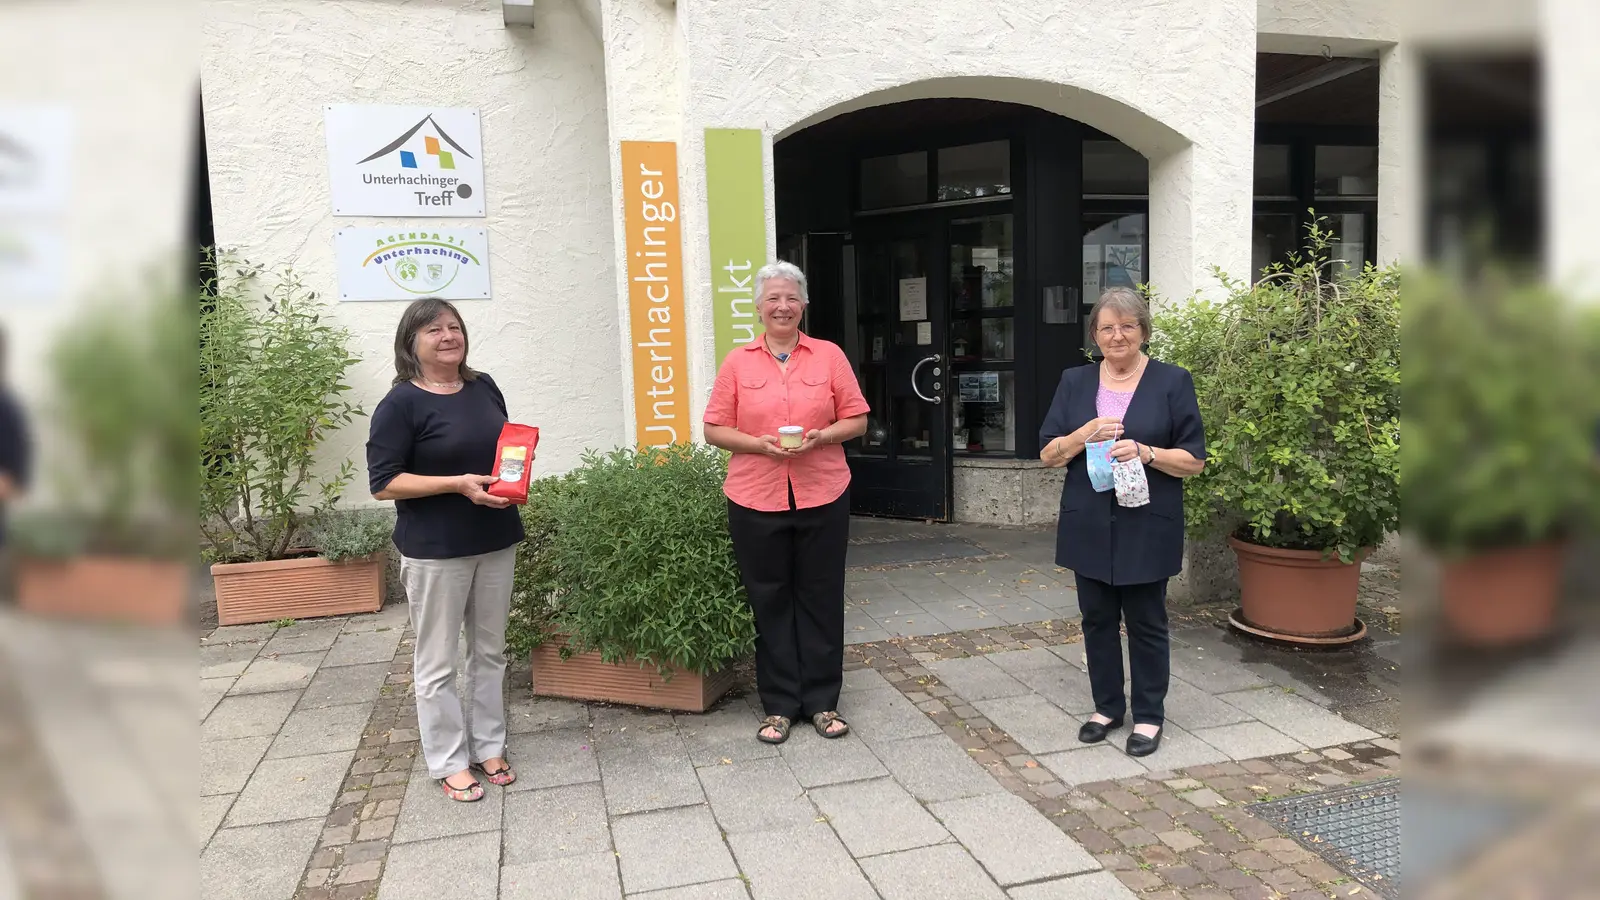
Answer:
(108, 537)
(1501, 412)
(272, 377)
(271, 392)
(1298, 378)
(629, 555)
(1502, 468)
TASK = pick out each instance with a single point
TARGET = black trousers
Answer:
(1144, 608)
(792, 565)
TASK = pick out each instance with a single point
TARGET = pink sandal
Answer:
(469, 794)
(501, 777)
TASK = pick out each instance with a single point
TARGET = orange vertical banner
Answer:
(654, 246)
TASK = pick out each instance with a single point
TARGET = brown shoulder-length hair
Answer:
(417, 317)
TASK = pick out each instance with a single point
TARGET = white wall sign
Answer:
(406, 263)
(35, 159)
(913, 299)
(33, 264)
(405, 161)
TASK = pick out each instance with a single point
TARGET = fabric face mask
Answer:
(1098, 454)
(1133, 488)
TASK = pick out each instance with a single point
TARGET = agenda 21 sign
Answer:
(405, 161)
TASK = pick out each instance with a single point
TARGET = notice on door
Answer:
(913, 299)
(654, 243)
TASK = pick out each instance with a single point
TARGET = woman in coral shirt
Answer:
(789, 509)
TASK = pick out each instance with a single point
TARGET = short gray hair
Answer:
(1123, 300)
(782, 271)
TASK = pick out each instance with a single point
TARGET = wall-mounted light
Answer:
(518, 13)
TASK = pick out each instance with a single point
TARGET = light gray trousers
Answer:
(445, 595)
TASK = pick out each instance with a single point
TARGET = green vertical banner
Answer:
(736, 199)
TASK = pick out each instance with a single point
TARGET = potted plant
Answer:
(1502, 467)
(272, 374)
(627, 589)
(1298, 377)
(110, 540)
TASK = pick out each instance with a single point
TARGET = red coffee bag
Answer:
(512, 455)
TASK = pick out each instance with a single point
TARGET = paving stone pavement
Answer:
(962, 779)
(965, 684)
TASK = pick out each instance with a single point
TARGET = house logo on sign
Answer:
(421, 262)
(427, 140)
(19, 166)
(405, 161)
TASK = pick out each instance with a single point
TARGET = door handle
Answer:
(916, 370)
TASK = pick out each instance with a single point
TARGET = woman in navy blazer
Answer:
(1123, 556)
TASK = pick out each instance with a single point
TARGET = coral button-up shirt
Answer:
(753, 394)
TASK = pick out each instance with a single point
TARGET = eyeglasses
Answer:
(1125, 329)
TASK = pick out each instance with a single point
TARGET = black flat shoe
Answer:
(1139, 745)
(1093, 732)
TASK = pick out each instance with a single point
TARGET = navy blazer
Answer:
(1095, 537)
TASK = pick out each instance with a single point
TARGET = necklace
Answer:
(1105, 370)
(780, 357)
(445, 385)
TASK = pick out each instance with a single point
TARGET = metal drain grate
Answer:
(1355, 829)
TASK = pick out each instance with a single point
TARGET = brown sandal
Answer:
(822, 720)
(780, 724)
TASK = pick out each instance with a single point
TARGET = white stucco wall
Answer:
(1572, 131)
(1346, 27)
(550, 332)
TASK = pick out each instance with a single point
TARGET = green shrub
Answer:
(1298, 378)
(1502, 404)
(629, 555)
(271, 392)
(122, 405)
(538, 582)
(352, 534)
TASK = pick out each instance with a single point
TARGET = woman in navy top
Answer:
(432, 441)
(16, 454)
(1123, 556)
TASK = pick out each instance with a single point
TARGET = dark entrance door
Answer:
(901, 467)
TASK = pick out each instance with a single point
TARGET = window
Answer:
(1272, 172)
(1347, 172)
(889, 181)
(983, 335)
(975, 170)
(1112, 168)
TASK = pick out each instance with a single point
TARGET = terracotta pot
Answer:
(110, 588)
(1297, 593)
(1502, 597)
(586, 677)
(297, 589)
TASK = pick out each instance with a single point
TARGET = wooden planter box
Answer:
(297, 589)
(586, 677)
(109, 588)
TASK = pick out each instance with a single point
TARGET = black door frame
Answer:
(890, 484)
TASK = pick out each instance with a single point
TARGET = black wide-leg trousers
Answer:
(1144, 608)
(792, 565)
